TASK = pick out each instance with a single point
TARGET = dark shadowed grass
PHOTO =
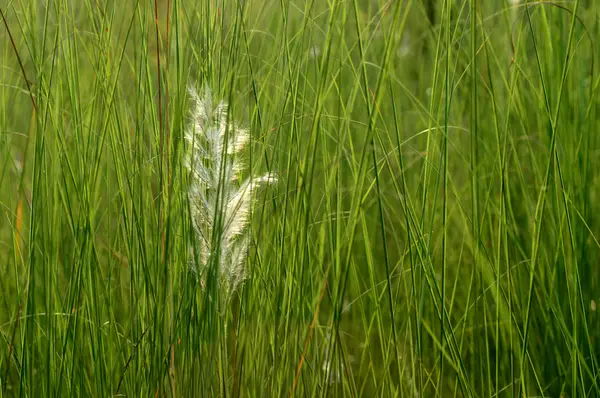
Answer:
(432, 232)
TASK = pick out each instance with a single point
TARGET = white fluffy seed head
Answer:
(220, 205)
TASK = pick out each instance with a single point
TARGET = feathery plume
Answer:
(220, 204)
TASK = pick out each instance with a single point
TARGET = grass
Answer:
(433, 230)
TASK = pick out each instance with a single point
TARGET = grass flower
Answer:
(220, 203)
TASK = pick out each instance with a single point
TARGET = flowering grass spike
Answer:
(220, 203)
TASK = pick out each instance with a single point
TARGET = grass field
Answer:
(433, 230)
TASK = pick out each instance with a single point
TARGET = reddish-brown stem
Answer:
(310, 332)
(12, 41)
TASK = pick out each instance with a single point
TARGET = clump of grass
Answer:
(436, 234)
(220, 203)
